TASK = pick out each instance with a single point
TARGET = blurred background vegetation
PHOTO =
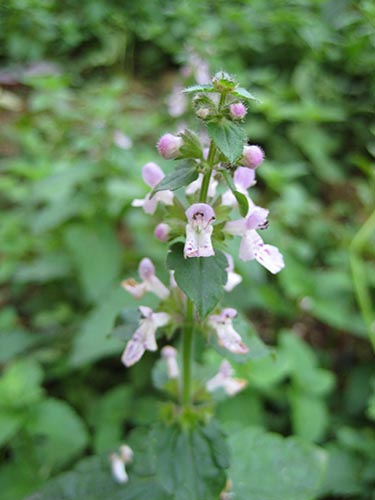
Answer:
(85, 89)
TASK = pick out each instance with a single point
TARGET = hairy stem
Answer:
(187, 353)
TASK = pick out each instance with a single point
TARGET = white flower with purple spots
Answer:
(252, 245)
(224, 379)
(150, 282)
(196, 185)
(152, 174)
(226, 334)
(144, 337)
(199, 230)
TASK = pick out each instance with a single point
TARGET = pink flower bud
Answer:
(169, 146)
(252, 156)
(237, 111)
(162, 232)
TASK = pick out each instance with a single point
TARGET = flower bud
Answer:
(252, 156)
(202, 113)
(237, 111)
(162, 232)
(169, 146)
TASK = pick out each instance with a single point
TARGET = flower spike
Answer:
(150, 282)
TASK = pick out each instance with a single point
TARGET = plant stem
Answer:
(187, 348)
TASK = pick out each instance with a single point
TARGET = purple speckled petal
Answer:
(270, 257)
(152, 174)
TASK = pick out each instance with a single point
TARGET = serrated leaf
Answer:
(176, 179)
(244, 94)
(266, 466)
(199, 88)
(201, 278)
(228, 137)
(191, 463)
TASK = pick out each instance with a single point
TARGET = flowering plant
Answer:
(195, 203)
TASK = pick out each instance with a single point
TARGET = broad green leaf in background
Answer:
(93, 341)
(266, 466)
(20, 384)
(58, 431)
(228, 137)
(310, 416)
(96, 254)
(10, 422)
(14, 342)
(201, 278)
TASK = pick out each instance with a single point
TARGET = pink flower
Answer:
(144, 337)
(252, 245)
(243, 179)
(252, 156)
(199, 230)
(162, 232)
(227, 335)
(152, 174)
(150, 282)
(169, 353)
(237, 111)
(169, 146)
(223, 379)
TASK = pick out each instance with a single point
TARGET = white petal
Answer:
(160, 319)
(270, 258)
(236, 227)
(137, 290)
(230, 339)
(134, 350)
(118, 469)
(234, 385)
(228, 199)
(165, 197)
(138, 203)
(250, 242)
(153, 284)
(150, 205)
(233, 280)
(198, 243)
(215, 382)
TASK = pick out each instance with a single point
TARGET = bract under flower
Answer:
(199, 230)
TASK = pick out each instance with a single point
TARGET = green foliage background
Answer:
(73, 74)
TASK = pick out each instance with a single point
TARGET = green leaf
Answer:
(228, 137)
(92, 480)
(97, 256)
(174, 180)
(191, 463)
(244, 94)
(199, 88)
(13, 343)
(201, 278)
(59, 432)
(20, 385)
(309, 415)
(266, 466)
(192, 147)
(93, 341)
(10, 422)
